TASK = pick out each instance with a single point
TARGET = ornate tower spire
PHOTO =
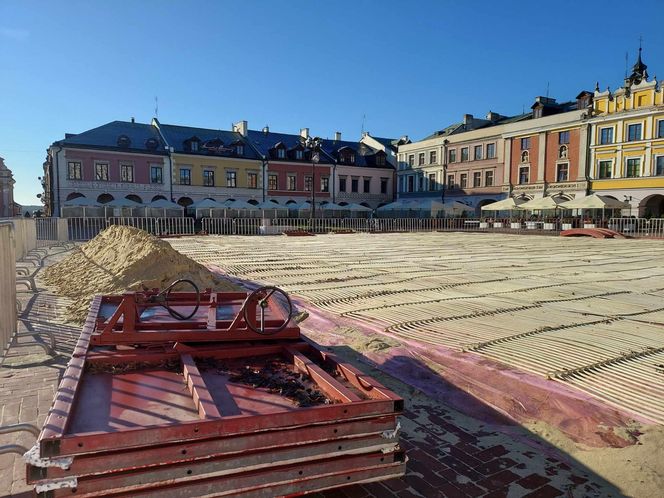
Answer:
(639, 70)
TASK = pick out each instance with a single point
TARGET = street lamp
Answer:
(445, 143)
(313, 144)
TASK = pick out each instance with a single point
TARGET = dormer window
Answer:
(123, 141)
(525, 157)
(239, 150)
(299, 154)
(281, 153)
(346, 156)
(537, 112)
(151, 143)
(380, 160)
(193, 146)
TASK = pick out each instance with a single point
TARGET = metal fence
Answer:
(7, 284)
(638, 227)
(80, 229)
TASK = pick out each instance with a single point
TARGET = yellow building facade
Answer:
(627, 143)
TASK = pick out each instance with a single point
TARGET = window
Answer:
(562, 172)
(281, 153)
(464, 154)
(634, 132)
(383, 185)
(605, 168)
(606, 136)
(562, 152)
(659, 165)
(525, 143)
(490, 151)
(411, 160)
(193, 146)
(488, 178)
(478, 152)
(127, 173)
(432, 157)
(156, 174)
(380, 160)
(524, 174)
(367, 184)
(450, 181)
(325, 184)
(239, 150)
(185, 176)
(432, 181)
(351, 158)
(452, 154)
(231, 179)
(342, 184)
(525, 157)
(563, 137)
(463, 182)
(74, 171)
(291, 181)
(308, 182)
(420, 159)
(660, 128)
(252, 180)
(299, 154)
(208, 178)
(272, 182)
(420, 184)
(101, 172)
(633, 168)
(477, 179)
(411, 183)
(354, 184)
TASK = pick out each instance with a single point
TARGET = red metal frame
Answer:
(140, 416)
(126, 326)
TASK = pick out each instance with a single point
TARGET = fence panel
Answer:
(7, 284)
(142, 223)
(47, 231)
(638, 227)
(175, 226)
(85, 228)
(25, 236)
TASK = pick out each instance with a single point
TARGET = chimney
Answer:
(266, 129)
(545, 100)
(365, 134)
(493, 116)
(133, 120)
(337, 136)
(241, 127)
(467, 119)
(304, 133)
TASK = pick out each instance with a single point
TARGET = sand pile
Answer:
(123, 258)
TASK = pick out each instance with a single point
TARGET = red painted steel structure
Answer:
(143, 413)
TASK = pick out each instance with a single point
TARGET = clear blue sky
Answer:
(411, 67)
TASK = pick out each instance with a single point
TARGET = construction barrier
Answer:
(7, 284)
(638, 227)
(80, 229)
(25, 236)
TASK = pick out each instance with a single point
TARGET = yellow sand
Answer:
(123, 258)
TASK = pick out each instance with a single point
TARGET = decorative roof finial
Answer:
(639, 70)
(597, 86)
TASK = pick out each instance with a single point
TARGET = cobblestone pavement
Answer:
(450, 454)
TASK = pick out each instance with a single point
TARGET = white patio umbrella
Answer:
(206, 205)
(84, 203)
(122, 203)
(273, 208)
(163, 204)
(595, 201)
(509, 204)
(456, 207)
(543, 203)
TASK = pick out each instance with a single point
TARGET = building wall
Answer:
(6, 191)
(373, 197)
(92, 188)
(197, 190)
(300, 170)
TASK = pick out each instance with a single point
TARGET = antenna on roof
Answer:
(364, 117)
(156, 107)
(547, 89)
(626, 63)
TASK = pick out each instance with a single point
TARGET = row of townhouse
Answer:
(610, 143)
(149, 162)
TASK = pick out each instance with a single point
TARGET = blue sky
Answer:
(410, 67)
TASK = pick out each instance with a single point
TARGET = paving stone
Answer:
(547, 491)
(533, 481)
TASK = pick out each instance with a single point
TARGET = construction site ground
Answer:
(530, 365)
